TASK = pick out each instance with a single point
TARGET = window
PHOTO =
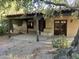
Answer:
(60, 27)
(30, 24)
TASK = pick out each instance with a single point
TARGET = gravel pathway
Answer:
(25, 47)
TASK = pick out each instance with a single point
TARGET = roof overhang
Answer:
(23, 16)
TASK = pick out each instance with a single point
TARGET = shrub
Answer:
(60, 42)
(3, 26)
(62, 54)
(75, 56)
(1, 30)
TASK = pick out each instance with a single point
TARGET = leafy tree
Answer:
(12, 5)
(28, 6)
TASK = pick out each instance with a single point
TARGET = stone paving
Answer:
(26, 47)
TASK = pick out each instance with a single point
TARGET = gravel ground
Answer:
(25, 47)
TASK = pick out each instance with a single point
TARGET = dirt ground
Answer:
(24, 46)
(3, 39)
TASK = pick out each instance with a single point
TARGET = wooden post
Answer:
(37, 30)
(9, 34)
(27, 25)
(37, 26)
(78, 14)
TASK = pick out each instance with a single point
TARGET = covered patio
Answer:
(25, 23)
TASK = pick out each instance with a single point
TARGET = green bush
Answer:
(60, 42)
(61, 54)
(3, 27)
(75, 56)
(1, 30)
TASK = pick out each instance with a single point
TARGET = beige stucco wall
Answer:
(72, 24)
(23, 28)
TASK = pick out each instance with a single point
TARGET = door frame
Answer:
(61, 23)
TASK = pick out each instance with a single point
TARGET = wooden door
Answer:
(41, 24)
(60, 27)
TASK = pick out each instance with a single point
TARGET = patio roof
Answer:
(23, 16)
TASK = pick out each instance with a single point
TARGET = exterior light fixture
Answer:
(71, 20)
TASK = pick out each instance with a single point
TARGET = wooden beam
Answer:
(9, 34)
(57, 4)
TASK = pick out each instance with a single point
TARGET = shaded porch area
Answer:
(26, 23)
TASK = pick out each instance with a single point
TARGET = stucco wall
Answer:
(23, 28)
(72, 24)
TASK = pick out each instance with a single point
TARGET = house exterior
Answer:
(66, 25)
(26, 23)
(61, 25)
